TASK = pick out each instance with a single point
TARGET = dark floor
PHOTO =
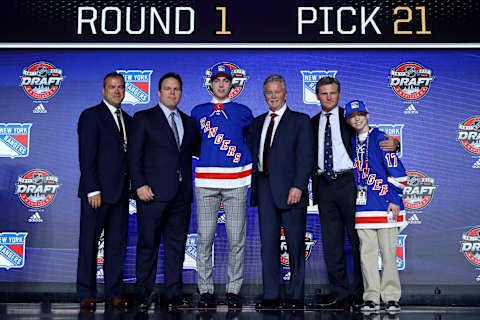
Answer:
(58, 311)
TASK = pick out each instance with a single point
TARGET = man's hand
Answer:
(95, 201)
(389, 145)
(145, 193)
(294, 196)
(395, 209)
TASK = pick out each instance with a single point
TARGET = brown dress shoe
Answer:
(88, 303)
(118, 303)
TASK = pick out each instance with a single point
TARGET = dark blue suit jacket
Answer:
(103, 161)
(290, 159)
(154, 158)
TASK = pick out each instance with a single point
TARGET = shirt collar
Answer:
(111, 108)
(167, 111)
(215, 101)
(279, 112)
(334, 111)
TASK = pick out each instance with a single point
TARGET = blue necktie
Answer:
(328, 152)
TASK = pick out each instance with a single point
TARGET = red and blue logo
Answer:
(12, 249)
(137, 86)
(14, 140)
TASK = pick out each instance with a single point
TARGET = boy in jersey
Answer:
(223, 174)
(380, 178)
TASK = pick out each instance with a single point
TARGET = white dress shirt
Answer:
(268, 118)
(341, 159)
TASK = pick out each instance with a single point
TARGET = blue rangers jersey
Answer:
(384, 177)
(225, 161)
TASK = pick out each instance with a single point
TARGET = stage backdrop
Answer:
(429, 99)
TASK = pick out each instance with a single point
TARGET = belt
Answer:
(337, 174)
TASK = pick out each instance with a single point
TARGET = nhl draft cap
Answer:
(355, 105)
(219, 70)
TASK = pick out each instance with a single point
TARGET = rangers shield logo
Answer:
(12, 249)
(14, 139)
(419, 190)
(310, 79)
(137, 86)
(394, 130)
(400, 259)
(190, 261)
(132, 207)
(410, 80)
(41, 80)
(239, 78)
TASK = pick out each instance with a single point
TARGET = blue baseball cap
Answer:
(221, 69)
(355, 105)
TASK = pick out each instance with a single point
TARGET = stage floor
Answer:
(61, 311)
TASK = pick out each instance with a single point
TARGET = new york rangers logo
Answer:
(400, 258)
(132, 207)
(14, 139)
(239, 78)
(310, 79)
(137, 86)
(41, 80)
(190, 261)
(12, 249)
(394, 130)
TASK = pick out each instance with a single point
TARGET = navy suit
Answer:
(336, 204)
(103, 167)
(155, 160)
(290, 165)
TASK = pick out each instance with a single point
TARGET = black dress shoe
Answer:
(142, 304)
(178, 303)
(268, 305)
(234, 301)
(357, 304)
(325, 300)
(295, 305)
(207, 301)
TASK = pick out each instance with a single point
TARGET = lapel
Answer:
(258, 133)
(109, 121)
(280, 128)
(186, 129)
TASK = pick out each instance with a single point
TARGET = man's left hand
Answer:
(389, 145)
(294, 196)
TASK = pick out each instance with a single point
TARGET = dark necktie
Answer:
(120, 125)
(174, 129)
(328, 152)
(267, 143)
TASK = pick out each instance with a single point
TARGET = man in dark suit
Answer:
(104, 193)
(281, 143)
(163, 141)
(334, 191)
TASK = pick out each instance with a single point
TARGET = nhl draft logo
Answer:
(12, 249)
(410, 80)
(468, 134)
(394, 130)
(419, 190)
(41, 80)
(239, 78)
(470, 245)
(310, 79)
(101, 256)
(137, 86)
(14, 139)
(37, 188)
(284, 257)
